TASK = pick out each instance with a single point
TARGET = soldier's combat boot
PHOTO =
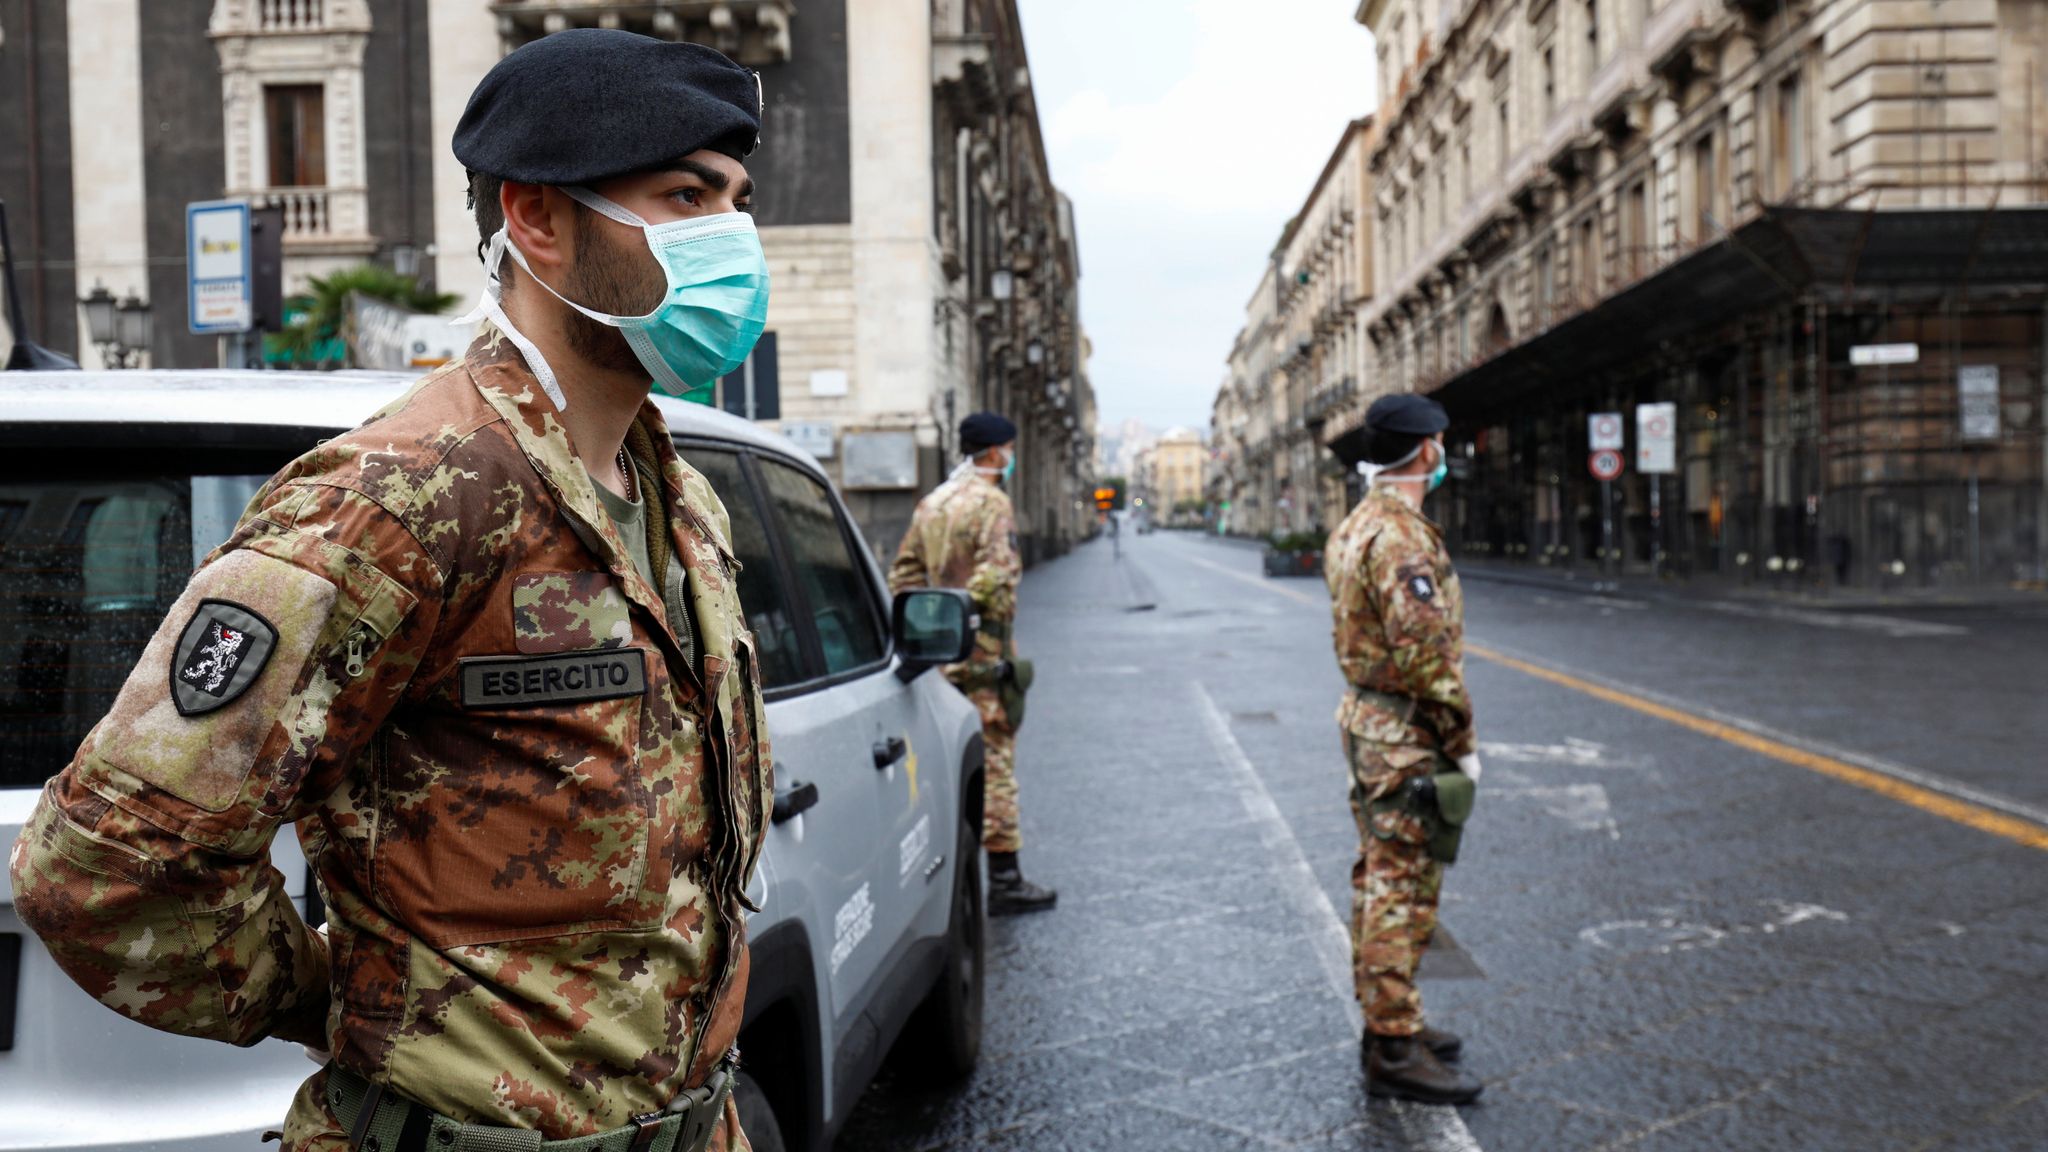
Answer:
(1447, 1046)
(1009, 893)
(1404, 1068)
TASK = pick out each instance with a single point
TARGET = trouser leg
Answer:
(999, 831)
(1394, 889)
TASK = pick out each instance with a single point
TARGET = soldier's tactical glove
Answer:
(1469, 765)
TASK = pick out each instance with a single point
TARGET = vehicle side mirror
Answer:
(933, 626)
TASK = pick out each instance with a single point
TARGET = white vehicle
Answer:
(115, 484)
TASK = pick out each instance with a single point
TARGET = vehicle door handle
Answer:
(889, 751)
(794, 799)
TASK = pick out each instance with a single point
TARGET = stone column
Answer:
(464, 36)
(112, 245)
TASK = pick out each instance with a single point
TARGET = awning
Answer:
(1831, 254)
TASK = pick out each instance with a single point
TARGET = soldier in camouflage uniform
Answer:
(1399, 635)
(519, 732)
(964, 535)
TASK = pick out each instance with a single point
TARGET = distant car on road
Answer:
(114, 485)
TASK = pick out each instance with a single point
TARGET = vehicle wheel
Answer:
(757, 1119)
(943, 1039)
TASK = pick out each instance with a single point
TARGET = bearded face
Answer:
(613, 278)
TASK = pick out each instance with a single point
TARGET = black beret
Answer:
(1407, 414)
(587, 104)
(985, 430)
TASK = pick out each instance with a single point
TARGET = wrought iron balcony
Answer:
(753, 32)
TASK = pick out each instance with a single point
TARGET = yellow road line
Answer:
(1926, 799)
(1964, 812)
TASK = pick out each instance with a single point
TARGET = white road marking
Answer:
(1429, 1128)
(1607, 604)
(1951, 788)
(1670, 934)
(1932, 783)
(1583, 806)
(1896, 627)
(1575, 752)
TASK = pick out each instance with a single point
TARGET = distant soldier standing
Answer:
(1407, 729)
(487, 652)
(964, 535)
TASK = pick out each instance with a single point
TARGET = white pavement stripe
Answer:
(1428, 1128)
(1941, 784)
(1928, 780)
(1304, 896)
(1266, 582)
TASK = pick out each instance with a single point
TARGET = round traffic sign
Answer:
(1606, 464)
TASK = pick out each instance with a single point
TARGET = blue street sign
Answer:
(217, 262)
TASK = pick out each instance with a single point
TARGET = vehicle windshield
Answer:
(88, 569)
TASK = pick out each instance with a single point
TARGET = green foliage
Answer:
(313, 341)
(1299, 541)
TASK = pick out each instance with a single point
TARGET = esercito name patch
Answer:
(220, 654)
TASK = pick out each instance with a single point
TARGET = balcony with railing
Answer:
(291, 15)
(318, 221)
(753, 32)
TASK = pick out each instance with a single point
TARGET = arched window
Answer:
(1497, 335)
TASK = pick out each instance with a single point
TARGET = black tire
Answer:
(757, 1118)
(943, 1039)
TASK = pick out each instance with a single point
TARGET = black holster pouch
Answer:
(1443, 803)
(1012, 686)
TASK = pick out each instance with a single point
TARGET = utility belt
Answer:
(379, 1120)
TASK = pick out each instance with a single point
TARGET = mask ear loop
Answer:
(491, 307)
(1383, 469)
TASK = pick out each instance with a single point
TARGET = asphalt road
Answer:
(1742, 877)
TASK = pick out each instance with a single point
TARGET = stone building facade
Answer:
(1299, 371)
(924, 263)
(1584, 206)
(1170, 476)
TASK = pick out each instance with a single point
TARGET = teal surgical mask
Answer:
(707, 323)
(1441, 472)
(1004, 473)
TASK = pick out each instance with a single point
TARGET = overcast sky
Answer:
(1187, 132)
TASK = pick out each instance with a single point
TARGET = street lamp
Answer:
(120, 329)
(132, 324)
(99, 314)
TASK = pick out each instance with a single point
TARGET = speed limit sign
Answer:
(1606, 464)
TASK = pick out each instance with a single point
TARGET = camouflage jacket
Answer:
(964, 535)
(532, 821)
(1400, 626)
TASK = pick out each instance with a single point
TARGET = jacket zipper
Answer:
(356, 638)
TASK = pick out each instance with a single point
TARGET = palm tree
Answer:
(309, 342)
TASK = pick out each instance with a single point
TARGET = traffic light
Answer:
(1109, 495)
